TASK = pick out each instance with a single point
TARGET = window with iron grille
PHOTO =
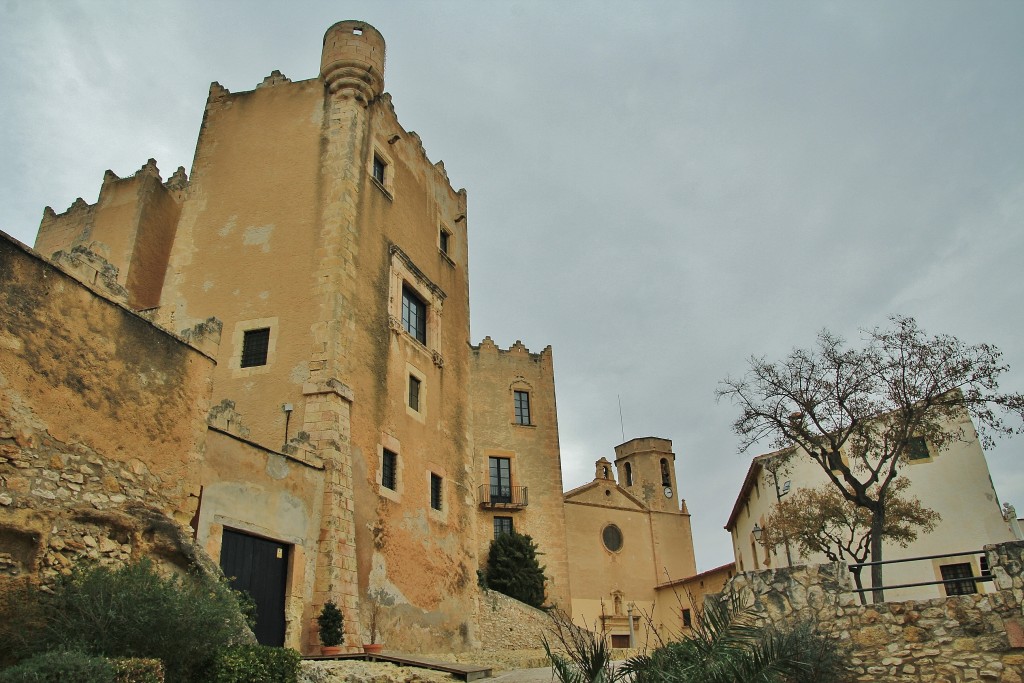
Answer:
(444, 241)
(414, 393)
(255, 344)
(521, 400)
(435, 491)
(414, 315)
(687, 618)
(389, 470)
(917, 448)
(502, 525)
(959, 571)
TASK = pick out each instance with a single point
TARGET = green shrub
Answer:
(138, 670)
(255, 664)
(513, 568)
(132, 611)
(60, 667)
(727, 646)
(332, 624)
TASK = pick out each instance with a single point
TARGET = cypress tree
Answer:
(513, 568)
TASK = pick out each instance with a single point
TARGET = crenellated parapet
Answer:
(273, 79)
(487, 345)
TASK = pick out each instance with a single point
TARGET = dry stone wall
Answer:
(959, 638)
(507, 624)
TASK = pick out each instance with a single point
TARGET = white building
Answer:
(954, 482)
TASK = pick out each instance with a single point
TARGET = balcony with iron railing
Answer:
(504, 496)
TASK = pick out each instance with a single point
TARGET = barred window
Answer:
(435, 491)
(959, 571)
(255, 344)
(389, 470)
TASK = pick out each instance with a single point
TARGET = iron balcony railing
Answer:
(965, 584)
(504, 496)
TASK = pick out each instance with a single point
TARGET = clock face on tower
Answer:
(668, 491)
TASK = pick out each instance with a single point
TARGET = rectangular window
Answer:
(917, 448)
(414, 393)
(620, 640)
(389, 470)
(502, 525)
(687, 618)
(444, 241)
(522, 406)
(435, 491)
(414, 315)
(501, 479)
(959, 571)
(835, 460)
(379, 167)
(254, 347)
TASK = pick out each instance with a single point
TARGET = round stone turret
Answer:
(352, 63)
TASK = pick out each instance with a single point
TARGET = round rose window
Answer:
(612, 538)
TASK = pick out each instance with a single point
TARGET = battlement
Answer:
(487, 345)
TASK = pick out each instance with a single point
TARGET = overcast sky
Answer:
(657, 190)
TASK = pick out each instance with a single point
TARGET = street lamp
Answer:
(629, 612)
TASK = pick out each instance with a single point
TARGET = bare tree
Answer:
(821, 520)
(873, 405)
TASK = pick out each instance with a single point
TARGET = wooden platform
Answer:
(467, 672)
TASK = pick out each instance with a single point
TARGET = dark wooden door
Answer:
(260, 568)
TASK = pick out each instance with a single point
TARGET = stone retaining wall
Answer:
(959, 638)
(507, 624)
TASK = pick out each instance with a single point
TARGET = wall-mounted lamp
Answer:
(757, 532)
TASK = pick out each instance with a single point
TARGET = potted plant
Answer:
(375, 603)
(332, 628)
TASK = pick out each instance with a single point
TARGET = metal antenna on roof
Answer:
(621, 425)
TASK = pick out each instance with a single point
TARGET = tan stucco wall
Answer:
(130, 227)
(271, 495)
(533, 451)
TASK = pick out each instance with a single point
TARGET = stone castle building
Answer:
(274, 353)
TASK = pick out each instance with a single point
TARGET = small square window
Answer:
(254, 347)
(389, 470)
(435, 491)
(414, 315)
(950, 572)
(379, 169)
(917, 448)
(522, 407)
(835, 460)
(444, 240)
(502, 525)
(414, 393)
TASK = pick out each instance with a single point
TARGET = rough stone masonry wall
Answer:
(507, 624)
(101, 426)
(960, 638)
